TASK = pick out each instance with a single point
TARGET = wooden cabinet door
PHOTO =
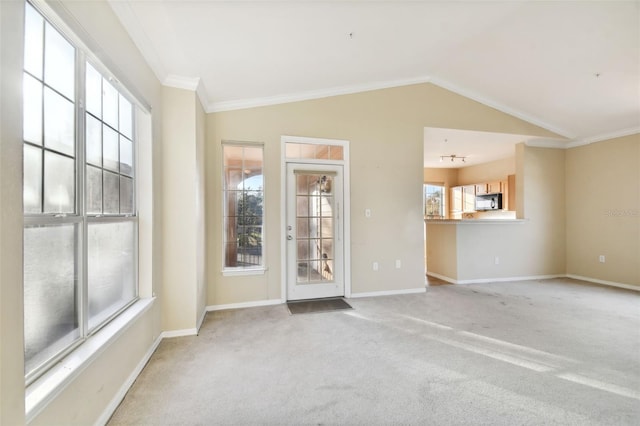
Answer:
(455, 197)
(494, 187)
(505, 195)
(481, 188)
(469, 198)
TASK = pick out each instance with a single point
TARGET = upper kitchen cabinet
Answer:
(468, 198)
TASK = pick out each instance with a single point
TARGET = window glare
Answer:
(59, 62)
(33, 42)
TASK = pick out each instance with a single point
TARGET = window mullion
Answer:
(81, 204)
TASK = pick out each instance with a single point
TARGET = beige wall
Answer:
(603, 210)
(183, 192)
(103, 378)
(385, 129)
(535, 247)
(487, 172)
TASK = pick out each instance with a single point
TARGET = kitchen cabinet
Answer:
(468, 198)
(455, 202)
(494, 187)
(481, 188)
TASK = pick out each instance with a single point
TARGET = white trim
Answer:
(234, 272)
(346, 203)
(122, 392)
(389, 292)
(604, 137)
(548, 143)
(312, 94)
(242, 305)
(604, 282)
(495, 280)
(180, 333)
(46, 388)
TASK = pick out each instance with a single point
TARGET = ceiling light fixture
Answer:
(453, 157)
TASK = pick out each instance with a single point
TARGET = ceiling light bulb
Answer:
(452, 157)
(463, 160)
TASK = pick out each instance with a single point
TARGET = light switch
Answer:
(367, 213)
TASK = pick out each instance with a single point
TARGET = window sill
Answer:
(41, 392)
(241, 272)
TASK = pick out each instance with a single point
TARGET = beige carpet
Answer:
(554, 352)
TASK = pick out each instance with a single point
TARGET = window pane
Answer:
(32, 108)
(336, 152)
(111, 193)
(109, 104)
(50, 292)
(126, 156)
(111, 271)
(59, 183)
(59, 66)
(93, 140)
(110, 148)
(93, 93)
(94, 190)
(126, 127)
(126, 195)
(58, 123)
(32, 187)
(34, 33)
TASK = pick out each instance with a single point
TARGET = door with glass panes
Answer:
(314, 231)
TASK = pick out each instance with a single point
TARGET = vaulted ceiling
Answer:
(572, 67)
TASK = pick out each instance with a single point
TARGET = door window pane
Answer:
(59, 122)
(51, 295)
(32, 186)
(111, 270)
(32, 108)
(59, 183)
(59, 62)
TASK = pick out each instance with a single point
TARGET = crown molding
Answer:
(604, 137)
(193, 84)
(313, 94)
(500, 107)
(548, 143)
(131, 24)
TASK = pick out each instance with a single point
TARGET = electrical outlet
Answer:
(375, 266)
(601, 258)
(367, 213)
(496, 260)
(398, 264)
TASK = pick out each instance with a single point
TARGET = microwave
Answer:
(486, 202)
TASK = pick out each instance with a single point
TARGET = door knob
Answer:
(289, 237)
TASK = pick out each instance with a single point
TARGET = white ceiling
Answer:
(572, 67)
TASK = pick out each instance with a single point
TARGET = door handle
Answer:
(289, 237)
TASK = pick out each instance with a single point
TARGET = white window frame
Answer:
(80, 217)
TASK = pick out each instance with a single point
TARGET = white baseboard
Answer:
(179, 333)
(494, 280)
(122, 392)
(390, 292)
(604, 282)
(253, 304)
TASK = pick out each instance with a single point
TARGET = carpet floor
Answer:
(553, 352)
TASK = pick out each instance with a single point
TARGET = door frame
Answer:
(346, 204)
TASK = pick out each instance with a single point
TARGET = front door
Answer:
(315, 231)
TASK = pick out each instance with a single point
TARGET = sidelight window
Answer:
(243, 201)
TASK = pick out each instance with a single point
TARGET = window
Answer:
(80, 245)
(434, 201)
(243, 201)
